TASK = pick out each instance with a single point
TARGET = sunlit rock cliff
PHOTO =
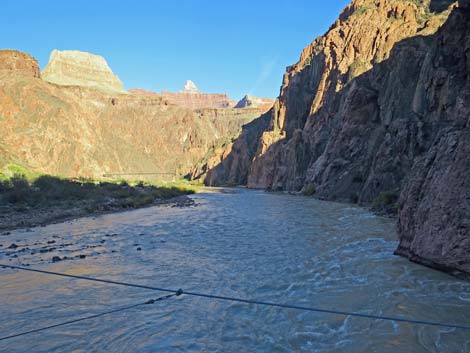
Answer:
(76, 68)
(83, 124)
(14, 61)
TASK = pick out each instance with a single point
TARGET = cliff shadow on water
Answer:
(395, 137)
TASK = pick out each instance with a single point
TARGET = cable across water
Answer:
(151, 301)
(248, 301)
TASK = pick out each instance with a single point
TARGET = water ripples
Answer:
(248, 244)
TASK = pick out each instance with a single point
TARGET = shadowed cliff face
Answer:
(361, 39)
(230, 162)
(365, 116)
(300, 124)
(434, 222)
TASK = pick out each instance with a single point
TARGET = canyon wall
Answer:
(377, 112)
(90, 128)
(434, 206)
(298, 132)
(295, 150)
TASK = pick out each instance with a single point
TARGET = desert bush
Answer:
(49, 191)
(17, 189)
(309, 190)
(387, 198)
(387, 201)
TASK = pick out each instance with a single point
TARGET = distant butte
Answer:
(191, 97)
(76, 68)
(255, 102)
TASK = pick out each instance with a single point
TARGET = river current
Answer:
(238, 243)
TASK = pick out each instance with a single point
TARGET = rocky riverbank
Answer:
(28, 201)
(20, 217)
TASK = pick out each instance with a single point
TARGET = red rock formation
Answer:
(190, 100)
(89, 131)
(198, 100)
(19, 63)
(143, 92)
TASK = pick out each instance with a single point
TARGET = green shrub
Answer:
(387, 198)
(231, 183)
(357, 68)
(387, 201)
(53, 188)
(18, 189)
(362, 10)
(11, 170)
(23, 190)
(309, 190)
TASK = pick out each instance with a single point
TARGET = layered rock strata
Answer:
(76, 68)
(193, 100)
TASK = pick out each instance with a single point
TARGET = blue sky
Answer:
(223, 46)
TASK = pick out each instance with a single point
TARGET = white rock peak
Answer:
(190, 87)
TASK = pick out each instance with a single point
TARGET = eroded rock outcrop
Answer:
(16, 62)
(255, 102)
(76, 68)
